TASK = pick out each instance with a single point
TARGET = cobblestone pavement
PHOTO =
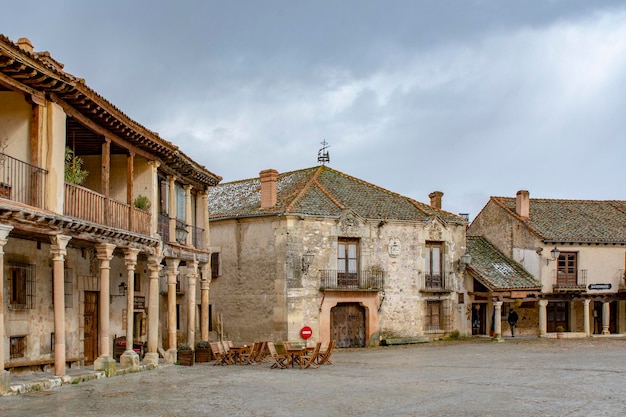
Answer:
(520, 377)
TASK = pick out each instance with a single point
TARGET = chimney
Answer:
(435, 199)
(25, 44)
(268, 187)
(522, 204)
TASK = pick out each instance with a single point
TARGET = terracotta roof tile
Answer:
(495, 270)
(321, 191)
(575, 221)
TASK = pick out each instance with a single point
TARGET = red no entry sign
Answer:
(306, 332)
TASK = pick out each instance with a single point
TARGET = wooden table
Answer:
(237, 351)
(296, 354)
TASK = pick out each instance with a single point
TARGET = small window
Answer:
(215, 265)
(68, 281)
(51, 342)
(21, 286)
(136, 282)
(17, 347)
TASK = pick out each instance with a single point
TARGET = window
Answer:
(163, 194)
(215, 265)
(17, 346)
(433, 315)
(433, 265)
(180, 203)
(21, 286)
(566, 269)
(136, 282)
(348, 263)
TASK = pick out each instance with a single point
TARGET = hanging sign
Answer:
(306, 332)
(599, 286)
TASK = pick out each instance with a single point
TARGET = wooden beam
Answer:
(17, 86)
(69, 110)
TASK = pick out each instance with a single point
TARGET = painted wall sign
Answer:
(599, 286)
(306, 332)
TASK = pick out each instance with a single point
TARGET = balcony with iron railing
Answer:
(567, 282)
(364, 280)
(197, 237)
(181, 230)
(22, 182)
(437, 282)
(86, 204)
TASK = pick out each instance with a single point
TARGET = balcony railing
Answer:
(354, 280)
(575, 281)
(22, 182)
(437, 282)
(86, 204)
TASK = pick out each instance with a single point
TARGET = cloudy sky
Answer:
(475, 98)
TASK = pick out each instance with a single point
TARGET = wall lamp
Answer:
(555, 255)
(464, 261)
(122, 291)
(307, 258)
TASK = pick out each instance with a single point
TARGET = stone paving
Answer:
(519, 377)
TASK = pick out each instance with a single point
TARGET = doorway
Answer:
(597, 317)
(90, 325)
(347, 325)
(558, 315)
(479, 318)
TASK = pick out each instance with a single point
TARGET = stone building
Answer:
(82, 265)
(318, 248)
(576, 249)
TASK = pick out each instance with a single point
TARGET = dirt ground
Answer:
(519, 377)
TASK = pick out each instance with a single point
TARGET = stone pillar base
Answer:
(151, 358)
(107, 364)
(129, 359)
(171, 356)
(5, 381)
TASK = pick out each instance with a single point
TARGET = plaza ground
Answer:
(518, 377)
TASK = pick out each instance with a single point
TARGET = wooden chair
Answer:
(218, 353)
(311, 359)
(324, 357)
(227, 352)
(280, 361)
(250, 357)
(263, 353)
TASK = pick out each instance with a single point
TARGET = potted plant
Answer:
(185, 354)
(203, 353)
(559, 332)
(142, 203)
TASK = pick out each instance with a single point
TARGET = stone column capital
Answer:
(104, 251)
(130, 257)
(4, 234)
(543, 303)
(58, 246)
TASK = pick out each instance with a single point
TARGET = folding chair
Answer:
(324, 357)
(310, 360)
(218, 354)
(280, 361)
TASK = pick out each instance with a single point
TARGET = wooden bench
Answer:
(41, 363)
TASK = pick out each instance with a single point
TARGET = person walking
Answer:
(512, 319)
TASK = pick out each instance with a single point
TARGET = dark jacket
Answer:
(512, 319)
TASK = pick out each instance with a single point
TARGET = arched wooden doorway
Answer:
(347, 325)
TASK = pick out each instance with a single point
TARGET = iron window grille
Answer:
(21, 286)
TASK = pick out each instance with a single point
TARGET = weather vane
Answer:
(323, 156)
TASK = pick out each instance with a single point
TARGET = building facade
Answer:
(104, 232)
(319, 249)
(576, 249)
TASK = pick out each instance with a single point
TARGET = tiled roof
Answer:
(320, 191)
(496, 271)
(573, 221)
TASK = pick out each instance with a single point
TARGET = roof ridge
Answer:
(312, 180)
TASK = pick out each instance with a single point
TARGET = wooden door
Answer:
(347, 325)
(91, 327)
(558, 314)
(479, 318)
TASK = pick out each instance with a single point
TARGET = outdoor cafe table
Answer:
(238, 351)
(296, 354)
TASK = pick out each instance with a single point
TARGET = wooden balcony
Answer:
(22, 182)
(352, 280)
(86, 204)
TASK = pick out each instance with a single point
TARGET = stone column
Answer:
(130, 359)
(172, 273)
(204, 303)
(105, 362)
(606, 317)
(543, 318)
(58, 252)
(192, 276)
(497, 305)
(5, 376)
(586, 321)
(154, 265)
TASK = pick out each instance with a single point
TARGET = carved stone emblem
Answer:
(394, 247)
